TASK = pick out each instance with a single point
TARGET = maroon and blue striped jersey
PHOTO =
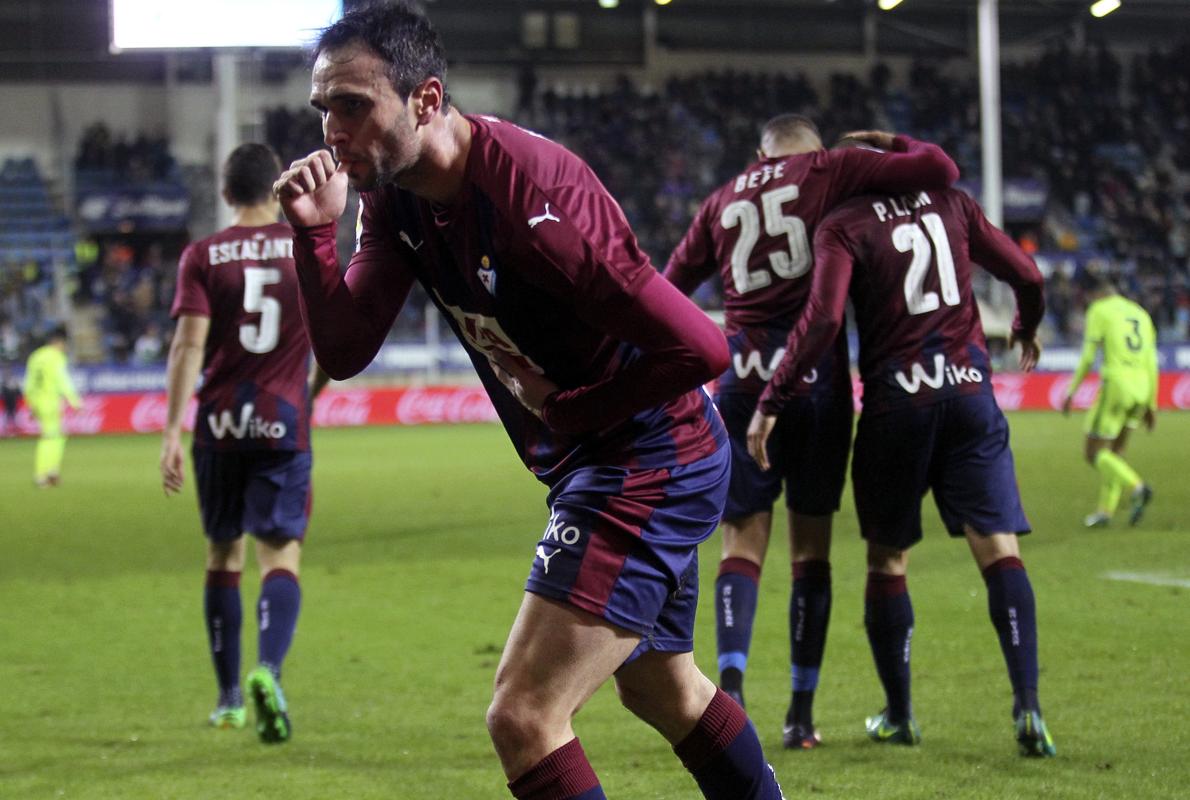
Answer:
(533, 261)
(906, 262)
(756, 232)
(254, 392)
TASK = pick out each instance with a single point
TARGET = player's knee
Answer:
(639, 703)
(516, 723)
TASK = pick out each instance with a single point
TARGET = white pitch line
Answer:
(1151, 578)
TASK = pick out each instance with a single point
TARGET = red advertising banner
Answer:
(145, 412)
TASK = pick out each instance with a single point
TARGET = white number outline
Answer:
(263, 336)
(790, 264)
(909, 236)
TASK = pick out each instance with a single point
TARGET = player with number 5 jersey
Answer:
(930, 421)
(236, 305)
(755, 231)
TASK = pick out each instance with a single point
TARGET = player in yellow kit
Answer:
(1127, 395)
(46, 382)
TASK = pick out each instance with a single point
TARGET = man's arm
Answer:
(682, 349)
(66, 386)
(181, 375)
(908, 165)
(1154, 377)
(317, 380)
(992, 249)
(1092, 338)
(347, 315)
(815, 330)
(693, 260)
(820, 320)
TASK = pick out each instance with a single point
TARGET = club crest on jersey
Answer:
(487, 275)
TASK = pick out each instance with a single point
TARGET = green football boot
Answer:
(272, 712)
(229, 718)
(1032, 736)
(881, 730)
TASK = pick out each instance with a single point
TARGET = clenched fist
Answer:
(313, 191)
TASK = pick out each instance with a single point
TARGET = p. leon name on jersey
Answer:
(944, 373)
(900, 206)
(258, 248)
(248, 427)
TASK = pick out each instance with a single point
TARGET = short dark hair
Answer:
(788, 126)
(249, 173)
(1092, 280)
(400, 35)
(55, 333)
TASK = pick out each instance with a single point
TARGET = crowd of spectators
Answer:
(104, 156)
(1114, 155)
(1109, 141)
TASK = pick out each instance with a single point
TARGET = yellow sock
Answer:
(1109, 495)
(1110, 464)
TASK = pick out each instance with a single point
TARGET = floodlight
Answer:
(888, 5)
(1101, 8)
(608, 3)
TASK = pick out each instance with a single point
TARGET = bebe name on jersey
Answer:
(944, 373)
(248, 426)
(759, 177)
(254, 249)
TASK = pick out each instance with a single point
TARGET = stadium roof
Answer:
(49, 40)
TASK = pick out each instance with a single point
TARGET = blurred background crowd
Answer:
(1103, 145)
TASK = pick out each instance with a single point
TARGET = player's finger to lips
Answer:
(319, 170)
(328, 161)
(306, 176)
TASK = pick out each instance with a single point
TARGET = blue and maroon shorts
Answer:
(956, 447)
(262, 492)
(622, 544)
(808, 451)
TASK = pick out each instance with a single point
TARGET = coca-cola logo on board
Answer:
(343, 408)
(462, 404)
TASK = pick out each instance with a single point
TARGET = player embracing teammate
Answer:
(929, 421)
(755, 231)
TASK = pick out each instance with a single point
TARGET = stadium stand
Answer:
(1089, 186)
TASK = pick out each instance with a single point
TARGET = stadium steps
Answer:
(86, 333)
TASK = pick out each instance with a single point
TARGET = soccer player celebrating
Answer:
(47, 383)
(239, 322)
(755, 231)
(593, 362)
(1127, 395)
(929, 420)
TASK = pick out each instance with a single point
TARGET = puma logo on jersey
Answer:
(535, 221)
(405, 238)
(545, 558)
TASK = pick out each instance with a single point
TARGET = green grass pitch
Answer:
(419, 546)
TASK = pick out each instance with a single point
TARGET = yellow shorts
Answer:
(1117, 406)
(49, 418)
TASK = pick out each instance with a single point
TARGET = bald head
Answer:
(787, 135)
